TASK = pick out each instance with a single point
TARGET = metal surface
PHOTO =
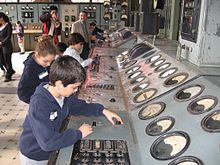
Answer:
(206, 150)
(205, 51)
(151, 68)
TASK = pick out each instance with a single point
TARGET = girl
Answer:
(75, 43)
(36, 68)
(20, 35)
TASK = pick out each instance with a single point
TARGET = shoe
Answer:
(22, 52)
(4, 73)
(7, 78)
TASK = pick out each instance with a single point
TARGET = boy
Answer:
(75, 43)
(50, 104)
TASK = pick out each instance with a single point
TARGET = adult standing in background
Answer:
(51, 24)
(81, 26)
(6, 48)
(20, 35)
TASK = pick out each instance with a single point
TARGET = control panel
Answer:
(27, 13)
(100, 151)
(69, 14)
(10, 11)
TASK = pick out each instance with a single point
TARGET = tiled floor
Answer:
(12, 113)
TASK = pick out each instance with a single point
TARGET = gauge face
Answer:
(162, 67)
(151, 110)
(186, 160)
(160, 125)
(202, 104)
(125, 52)
(168, 72)
(157, 63)
(176, 79)
(140, 87)
(129, 64)
(189, 92)
(148, 54)
(134, 75)
(133, 69)
(211, 122)
(137, 80)
(170, 145)
(152, 59)
(145, 95)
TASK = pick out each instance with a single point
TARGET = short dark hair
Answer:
(92, 24)
(53, 8)
(61, 47)
(75, 38)
(4, 16)
(68, 70)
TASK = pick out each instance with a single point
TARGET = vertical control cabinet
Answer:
(200, 32)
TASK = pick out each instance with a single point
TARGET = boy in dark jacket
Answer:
(50, 104)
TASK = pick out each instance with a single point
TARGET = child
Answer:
(36, 68)
(50, 104)
(61, 48)
(20, 36)
(75, 43)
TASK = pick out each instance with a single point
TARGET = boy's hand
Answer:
(111, 115)
(86, 129)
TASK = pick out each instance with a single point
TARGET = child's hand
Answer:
(111, 115)
(86, 129)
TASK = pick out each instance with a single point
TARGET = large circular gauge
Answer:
(189, 92)
(152, 59)
(133, 69)
(138, 50)
(160, 125)
(162, 67)
(202, 104)
(128, 64)
(158, 62)
(139, 87)
(186, 160)
(176, 79)
(211, 122)
(168, 72)
(148, 54)
(145, 95)
(134, 75)
(151, 110)
(137, 80)
(170, 145)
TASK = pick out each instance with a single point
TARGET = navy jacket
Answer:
(41, 134)
(33, 74)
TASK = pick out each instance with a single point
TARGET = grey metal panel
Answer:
(28, 13)
(152, 77)
(104, 130)
(206, 51)
(204, 145)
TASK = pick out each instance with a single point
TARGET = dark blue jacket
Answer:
(41, 134)
(33, 74)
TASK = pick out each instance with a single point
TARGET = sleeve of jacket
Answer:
(25, 86)
(80, 107)
(73, 28)
(43, 129)
(9, 33)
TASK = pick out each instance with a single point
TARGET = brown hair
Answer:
(45, 46)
